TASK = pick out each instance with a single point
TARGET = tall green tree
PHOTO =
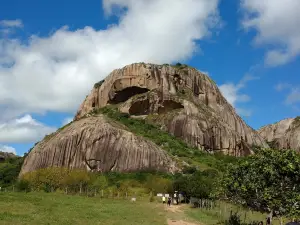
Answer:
(267, 181)
(9, 171)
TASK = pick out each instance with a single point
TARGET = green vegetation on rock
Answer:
(98, 84)
(173, 145)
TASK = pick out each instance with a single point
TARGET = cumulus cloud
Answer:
(276, 23)
(232, 92)
(23, 130)
(5, 148)
(55, 73)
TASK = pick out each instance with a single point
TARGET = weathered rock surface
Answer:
(97, 144)
(284, 134)
(184, 101)
(6, 155)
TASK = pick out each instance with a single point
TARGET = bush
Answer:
(98, 84)
(23, 185)
(234, 219)
(151, 199)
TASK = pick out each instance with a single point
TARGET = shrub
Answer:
(23, 185)
(98, 84)
(234, 219)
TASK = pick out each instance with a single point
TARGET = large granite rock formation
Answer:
(184, 101)
(284, 134)
(97, 144)
(180, 99)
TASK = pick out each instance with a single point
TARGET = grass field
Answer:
(45, 209)
(59, 209)
(222, 212)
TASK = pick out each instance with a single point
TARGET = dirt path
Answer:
(179, 222)
(176, 216)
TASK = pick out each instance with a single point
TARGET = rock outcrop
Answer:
(97, 144)
(284, 134)
(182, 100)
(6, 155)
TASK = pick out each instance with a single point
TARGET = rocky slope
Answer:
(180, 99)
(97, 144)
(284, 134)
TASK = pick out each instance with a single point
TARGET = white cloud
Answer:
(67, 120)
(293, 97)
(277, 23)
(5, 148)
(292, 92)
(11, 23)
(232, 93)
(23, 130)
(8, 27)
(244, 112)
(55, 73)
(283, 86)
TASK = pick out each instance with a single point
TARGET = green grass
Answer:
(59, 209)
(222, 212)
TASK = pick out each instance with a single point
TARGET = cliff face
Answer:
(284, 134)
(182, 100)
(97, 144)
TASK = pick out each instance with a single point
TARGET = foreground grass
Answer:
(222, 212)
(43, 208)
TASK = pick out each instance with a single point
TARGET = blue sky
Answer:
(51, 53)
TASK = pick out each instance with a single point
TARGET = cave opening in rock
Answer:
(127, 93)
(169, 105)
(140, 108)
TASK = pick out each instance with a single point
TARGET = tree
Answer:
(158, 184)
(267, 181)
(9, 171)
(199, 184)
(99, 183)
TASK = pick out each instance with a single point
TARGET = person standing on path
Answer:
(164, 199)
(169, 201)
